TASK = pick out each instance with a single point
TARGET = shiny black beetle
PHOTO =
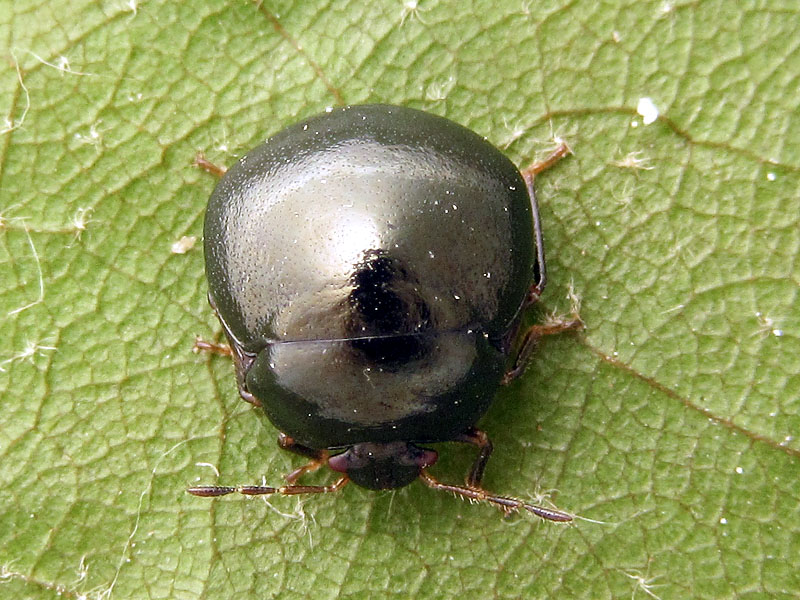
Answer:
(370, 267)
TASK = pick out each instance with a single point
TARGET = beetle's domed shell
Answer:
(369, 220)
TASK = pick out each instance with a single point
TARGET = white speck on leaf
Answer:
(766, 325)
(411, 9)
(643, 583)
(81, 220)
(31, 349)
(438, 90)
(183, 245)
(131, 6)
(93, 137)
(633, 160)
(647, 109)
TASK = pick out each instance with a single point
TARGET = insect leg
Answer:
(505, 503)
(528, 174)
(318, 457)
(201, 162)
(531, 339)
(208, 491)
(478, 438)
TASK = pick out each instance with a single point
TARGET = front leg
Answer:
(242, 360)
(478, 438)
(318, 457)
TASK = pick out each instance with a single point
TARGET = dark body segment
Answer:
(370, 263)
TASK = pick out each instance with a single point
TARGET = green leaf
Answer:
(671, 422)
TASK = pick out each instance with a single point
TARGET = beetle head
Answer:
(383, 466)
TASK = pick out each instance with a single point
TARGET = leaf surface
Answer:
(671, 422)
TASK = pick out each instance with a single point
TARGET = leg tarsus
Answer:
(556, 155)
(211, 491)
(202, 162)
(201, 345)
(248, 397)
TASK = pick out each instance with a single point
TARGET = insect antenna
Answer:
(504, 503)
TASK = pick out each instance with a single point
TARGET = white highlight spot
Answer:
(81, 220)
(438, 90)
(643, 583)
(411, 10)
(183, 245)
(633, 160)
(767, 325)
(771, 176)
(31, 349)
(647, 109)
(93, 137)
